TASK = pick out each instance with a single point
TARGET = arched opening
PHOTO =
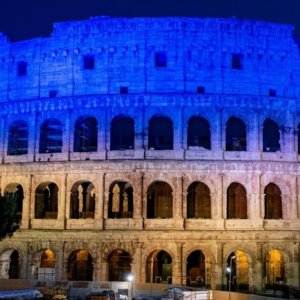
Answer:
(159, 200)
(80, 266)
(47, 266)
(198, 201)
(10, 264)
(198, 133)
(122, 134)
(17, 138)
(120, 200)
(16, 190)
(51, 136)
(274, 268)
(159, 267)
(236, 136)
(82, 200)
(86, 135)
(271, 136)
(43, 265)
(237, 271)
(119, 265)
(195, 269)
(160, 133)
(273, 202)
(46, 201)
(236, 201)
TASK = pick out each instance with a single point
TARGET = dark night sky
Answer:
(24, 19)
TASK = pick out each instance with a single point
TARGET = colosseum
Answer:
(166, 148)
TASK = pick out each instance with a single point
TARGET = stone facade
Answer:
(160, 70)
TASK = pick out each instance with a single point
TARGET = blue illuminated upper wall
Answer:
(214, 56)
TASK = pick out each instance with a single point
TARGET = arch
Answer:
(273, 202)
(10, 264)
(119, 265)
(274, 267)
(237, 271)
(80, 266)
(82, 200)
(122, 133)
(236, 201)
(120, 204)
(16, 190)
(159, 267)
(199, 133)
(159, 200)
(43, 265)
(195, 269)
(160, 133)
(271, 136)
(236, 136)
(198, 201)
(46, 201)
(86, 135)
(17, 138)
(51, 136)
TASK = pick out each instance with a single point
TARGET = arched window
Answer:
(122, 134)
(120, 200)
(16, 190)
(159, 200)
(236, 139)
(273, 202)
(198, 201)
(51, 136)
(159, 267)
(82, 200)
(198, 133)
(80, 266)
(236, 201)
(195, 269)
(271, 136)
(119, 265)
(46, 201)
(160, 134)
(86, 135)
(18, 138)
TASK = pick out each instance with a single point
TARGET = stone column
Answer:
(27, 203)
(216, 133)
(287, 141)
(138, 139)
(60, 266)
(177, 199)
(218, 275)
(176, 266)
(258, 269)
(62, 200)
(136, 267)
(253, 134)
(97, 264)
(138, 197)
(101, 207)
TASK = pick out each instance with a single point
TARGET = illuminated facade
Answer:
(167, 148)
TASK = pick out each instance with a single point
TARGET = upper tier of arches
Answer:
(163, 135)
